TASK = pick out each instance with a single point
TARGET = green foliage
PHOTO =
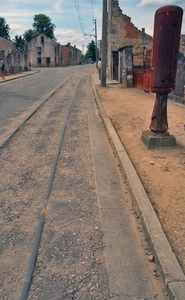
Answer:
(19, 42)
(29, 35)
(42, 24)
(4, 29)
(91, 51)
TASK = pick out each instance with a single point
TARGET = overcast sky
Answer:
(73, 18)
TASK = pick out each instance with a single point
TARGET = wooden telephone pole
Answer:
(104, 44)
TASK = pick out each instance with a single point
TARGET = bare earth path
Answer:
(162, 171)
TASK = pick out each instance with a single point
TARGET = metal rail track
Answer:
(33, 256)
(45, 97)
(38, 234)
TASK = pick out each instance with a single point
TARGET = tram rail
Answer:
(73, 84)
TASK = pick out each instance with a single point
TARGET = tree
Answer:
(91, 52)
(42, 24)
(29, 35)
(4, 29)
(19, 42)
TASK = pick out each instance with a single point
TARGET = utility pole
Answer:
(94, 21)
(104, 44)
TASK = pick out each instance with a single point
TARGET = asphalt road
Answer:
(17, 95)
(128, 274)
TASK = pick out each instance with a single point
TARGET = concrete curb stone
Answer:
(171, 272)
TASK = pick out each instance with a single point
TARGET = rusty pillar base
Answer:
(153, 140)
(159, 121)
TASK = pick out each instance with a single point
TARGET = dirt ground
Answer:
(162, 171)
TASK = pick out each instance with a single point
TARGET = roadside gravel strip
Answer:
(171, 271)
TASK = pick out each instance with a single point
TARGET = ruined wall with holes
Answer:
(122, 32)
(43, 52)
(12, 58)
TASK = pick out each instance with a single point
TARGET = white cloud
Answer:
(31, 2)
(17, 30)
(58, 5)
(65, 36)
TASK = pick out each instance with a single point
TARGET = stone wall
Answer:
(182, 44)
(12, 58)
(125, 71)
(122, 32)
(179, 94)
(43, 52)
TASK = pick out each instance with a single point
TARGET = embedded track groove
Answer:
(34, 149)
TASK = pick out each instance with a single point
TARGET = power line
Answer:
(92, 11)
(79, 17)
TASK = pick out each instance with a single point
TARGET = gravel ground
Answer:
(71, 259)
(71, 262)
(71, 256)
(162, 171)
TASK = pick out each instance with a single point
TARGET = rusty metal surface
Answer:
(159, 121)
(146, 81)
(167, 28)
(142, 80)
(138, 79)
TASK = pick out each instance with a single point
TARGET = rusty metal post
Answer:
(167, 29)
(159, 122)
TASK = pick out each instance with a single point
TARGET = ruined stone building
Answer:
(129, 51)
(42, 51)
(12, 58)
(70, 55)
(122, 32)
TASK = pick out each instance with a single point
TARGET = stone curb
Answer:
(18, 75)
(171, 272)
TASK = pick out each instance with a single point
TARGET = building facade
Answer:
(121, 33)
(42, 51)
(70, 55)
(12, 58)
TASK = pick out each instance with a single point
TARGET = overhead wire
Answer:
(80, 18)
(92, 10)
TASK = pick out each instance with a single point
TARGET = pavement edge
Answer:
(19, 75)
(171, 272)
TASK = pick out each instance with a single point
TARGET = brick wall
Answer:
(65, 55)
(70, 55)
(142, 59)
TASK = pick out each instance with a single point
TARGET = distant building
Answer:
(65, 55)
(42, 51)
(70, 55)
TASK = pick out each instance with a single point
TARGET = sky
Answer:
(75, 19)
